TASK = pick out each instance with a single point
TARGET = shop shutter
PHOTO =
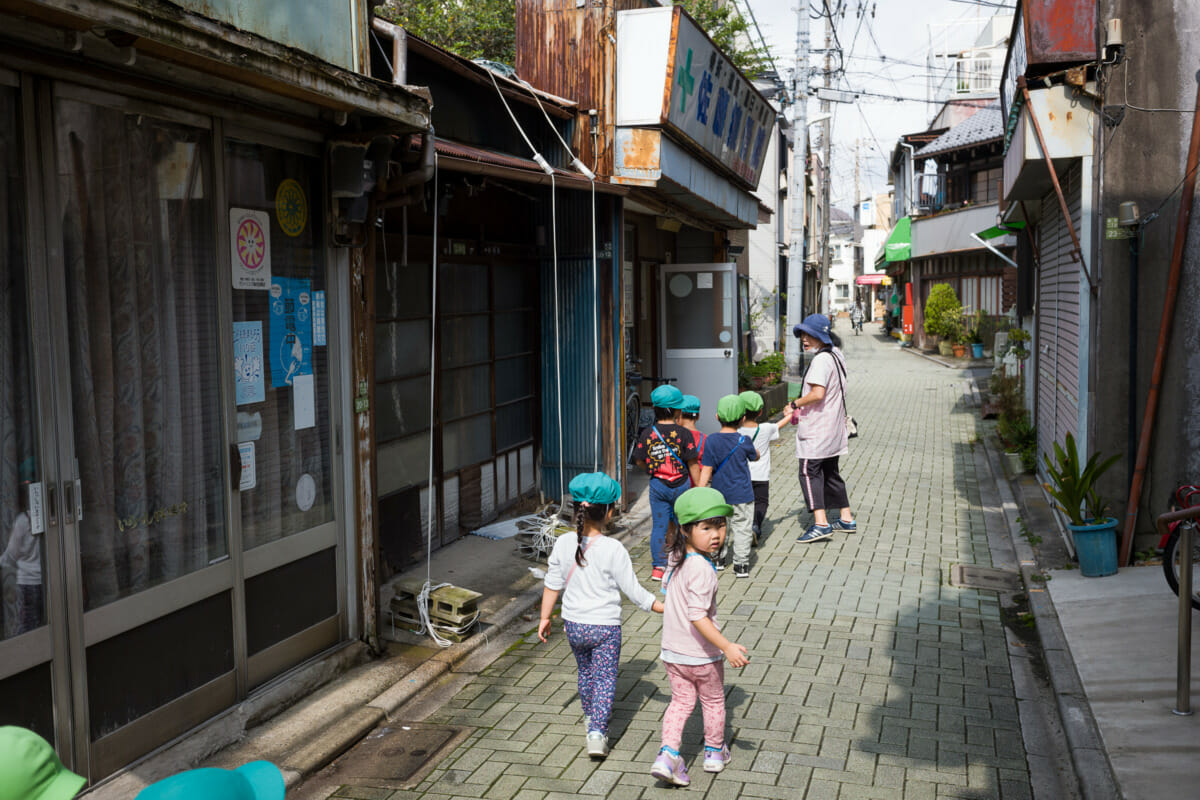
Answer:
(1057, 356)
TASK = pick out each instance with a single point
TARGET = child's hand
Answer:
(736, 655)
(544, 628)
(657, 607)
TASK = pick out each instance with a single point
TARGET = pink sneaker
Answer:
(716, 760)
(670, 769)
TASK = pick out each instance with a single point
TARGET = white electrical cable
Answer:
(541, 162)
(591, 176)
(423, 597)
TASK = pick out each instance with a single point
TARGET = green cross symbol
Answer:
(687, 84)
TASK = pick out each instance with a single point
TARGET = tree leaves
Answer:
(468, 28)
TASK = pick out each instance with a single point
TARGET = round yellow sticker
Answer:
(291, 207)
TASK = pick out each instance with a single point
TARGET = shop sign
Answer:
(713, 104)
(291, 330)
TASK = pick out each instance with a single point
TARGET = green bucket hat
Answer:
(751, 400)
(595, 488)
(667, 397)
(30, 769)
(701, 502)
(691, 404)
(730, 408)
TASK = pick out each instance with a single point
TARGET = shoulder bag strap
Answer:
(741, 438)
(670, 449)
(842, 376)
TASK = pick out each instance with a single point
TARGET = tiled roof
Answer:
(982, 126)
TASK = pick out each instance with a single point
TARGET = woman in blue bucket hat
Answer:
(821, 436)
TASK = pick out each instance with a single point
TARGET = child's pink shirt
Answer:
(691, 595)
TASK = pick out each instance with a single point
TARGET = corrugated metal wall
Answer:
(1058, 340)
(583, 441)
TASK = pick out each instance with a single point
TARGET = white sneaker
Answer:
(597, 744)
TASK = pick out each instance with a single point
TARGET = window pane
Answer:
(292, 454)
(466, 391)
(515, 333)
(466, 442)
(464, 288)
(22, 550)
(138, 243)
(401, 349)
(514, 424)
(402, 291)
(514, 286)
(465, 340)
(699, 308)
(514, 378)
(401, 408)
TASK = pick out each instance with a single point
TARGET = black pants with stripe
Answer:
(822, 484)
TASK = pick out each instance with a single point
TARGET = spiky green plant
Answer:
(1073, 483)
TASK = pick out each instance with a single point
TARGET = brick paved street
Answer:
(870, 676)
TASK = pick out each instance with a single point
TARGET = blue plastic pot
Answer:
(977, 350)
(1096, 547)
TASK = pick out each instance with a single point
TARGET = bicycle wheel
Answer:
(1171, 562)
(633, 415)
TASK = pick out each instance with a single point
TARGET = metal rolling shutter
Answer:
(1058, 317)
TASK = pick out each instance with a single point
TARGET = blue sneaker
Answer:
(842, 525)
(815, 533)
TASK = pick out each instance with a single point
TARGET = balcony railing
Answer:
(930, 195)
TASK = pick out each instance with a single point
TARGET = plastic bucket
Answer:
(1096, 547)
(976, 350)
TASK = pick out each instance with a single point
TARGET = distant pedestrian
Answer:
(821, 436)
(668, 452)
(761, 434)
(693, 647)
(591, 571)
(726, 468)
(856, 317)
(31, 770)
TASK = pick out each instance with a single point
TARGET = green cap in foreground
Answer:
(30, 769)
(701, 502)
(730, 408)
(751, 400)
(594, 488)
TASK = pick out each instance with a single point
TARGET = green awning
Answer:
(898, 246)
(996, 231)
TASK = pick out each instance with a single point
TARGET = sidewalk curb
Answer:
(1088, 756)
(969, 363)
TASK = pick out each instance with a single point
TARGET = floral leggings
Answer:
(597, 650)
(687, 682)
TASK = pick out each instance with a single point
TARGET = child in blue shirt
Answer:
(725, 466)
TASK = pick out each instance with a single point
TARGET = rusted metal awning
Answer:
(480, 161)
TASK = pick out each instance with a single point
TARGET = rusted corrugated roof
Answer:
(461, 157)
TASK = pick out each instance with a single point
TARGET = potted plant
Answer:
(1073, 487)
(975, 334)
(943, 316)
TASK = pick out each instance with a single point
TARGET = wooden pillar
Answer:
(362, 305)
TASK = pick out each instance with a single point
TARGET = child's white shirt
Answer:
(592, 595)
(762, 436)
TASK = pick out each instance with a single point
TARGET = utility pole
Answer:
(797, 193)
(823, 283)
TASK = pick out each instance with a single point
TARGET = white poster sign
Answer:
(249, 468)
(304, 405)
(250, 248)
(37, 521)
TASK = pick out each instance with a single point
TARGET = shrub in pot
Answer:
(1073, 486)
(943, 314)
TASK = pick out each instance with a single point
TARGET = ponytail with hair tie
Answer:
(579, 507)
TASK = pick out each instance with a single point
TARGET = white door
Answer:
(699, 332)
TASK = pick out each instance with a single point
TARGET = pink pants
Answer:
(688, 681)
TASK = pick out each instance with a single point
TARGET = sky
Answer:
(886, 48)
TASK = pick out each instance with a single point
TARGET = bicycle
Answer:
(1185, 497)
(634, 422)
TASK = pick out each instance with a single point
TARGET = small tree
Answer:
(943, 312)
(469, 28)
(729, 31)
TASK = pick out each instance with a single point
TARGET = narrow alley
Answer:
(869, 677)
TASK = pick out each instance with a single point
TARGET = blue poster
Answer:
(318, 319)
(291, 330)
(248, 362)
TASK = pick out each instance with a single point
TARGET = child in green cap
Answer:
(693, 648)
(726, 467)
(761, 434)
(30, 769)
(591, 571)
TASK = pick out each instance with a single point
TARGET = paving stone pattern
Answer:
(870, 676)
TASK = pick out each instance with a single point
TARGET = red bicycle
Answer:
(1185, 497)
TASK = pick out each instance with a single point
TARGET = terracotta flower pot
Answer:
(960, 350)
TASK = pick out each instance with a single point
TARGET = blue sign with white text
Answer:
(291, 330)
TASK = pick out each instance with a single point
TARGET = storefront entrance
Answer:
(168, 502)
